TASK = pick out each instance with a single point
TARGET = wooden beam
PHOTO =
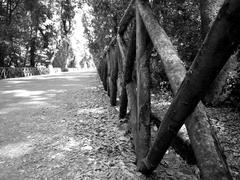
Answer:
(143, 52)
(123, 94)
(207, 151)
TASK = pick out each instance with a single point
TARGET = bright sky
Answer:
(79, 42)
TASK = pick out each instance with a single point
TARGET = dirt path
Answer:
(62, 127)
(35, 116)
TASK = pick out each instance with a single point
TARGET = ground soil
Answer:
(62, 127)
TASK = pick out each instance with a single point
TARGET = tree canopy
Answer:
(32, 31)
(180, 19)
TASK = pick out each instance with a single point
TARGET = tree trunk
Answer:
(32, 51)
(143, 88)
(175, 72)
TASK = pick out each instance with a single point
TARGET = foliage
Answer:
(181, 20)
(32, 30)
(67, 15)
(101, 24)
(63, 55)
(231, 88)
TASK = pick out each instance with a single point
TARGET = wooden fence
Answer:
(9, 72)
(129, 64)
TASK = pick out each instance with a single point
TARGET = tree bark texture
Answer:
(127, 17)
(143, 88)
(176, 72)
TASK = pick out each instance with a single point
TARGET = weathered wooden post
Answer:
(108, 71)
(126, 19)
(143, 88)
(104, 70)
(123, 94)
(180, 145)
(113, 64)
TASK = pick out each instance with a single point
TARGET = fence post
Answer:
(143, 88)
(113, 64)
(105, 73)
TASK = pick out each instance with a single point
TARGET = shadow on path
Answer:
(33, 116)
